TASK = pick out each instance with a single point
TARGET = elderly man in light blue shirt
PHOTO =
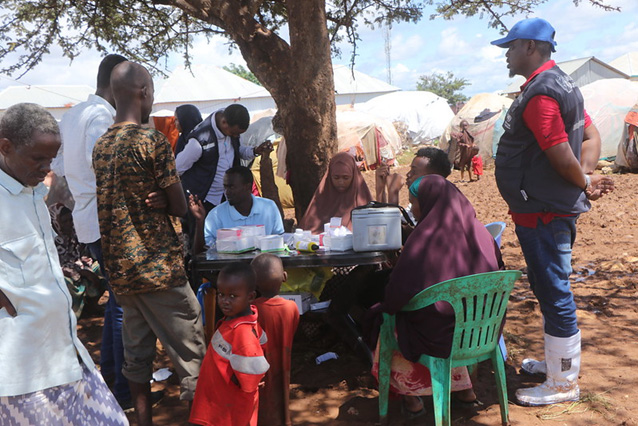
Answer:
(46, 374)
(241, 208)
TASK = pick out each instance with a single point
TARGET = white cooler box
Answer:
(376, 228)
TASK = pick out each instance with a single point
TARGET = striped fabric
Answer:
(240, 363)
(85, 402)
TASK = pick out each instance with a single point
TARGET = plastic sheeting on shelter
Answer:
(607, 102)
(425, 114)
(484, 113)
(627, 155)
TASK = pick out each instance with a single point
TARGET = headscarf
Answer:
(189, 117)
(328, 202)
(448, 242)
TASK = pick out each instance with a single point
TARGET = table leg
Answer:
(210, 307)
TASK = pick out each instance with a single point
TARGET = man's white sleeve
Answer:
(189, 156)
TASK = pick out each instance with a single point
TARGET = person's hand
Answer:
(5, 303)
(264, 148)
(91, 276)
(157, 200)
(600, 185)
(382, 171)
(197, 208)
(395, 183)
(87, 261)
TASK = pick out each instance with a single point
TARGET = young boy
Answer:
(234, 364)
(477, 163)
(279, 319)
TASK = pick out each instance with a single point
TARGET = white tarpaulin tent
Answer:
(607, 102)
(210, 88)
(484, 113)
(425, 114)
(370, 136)
(55, 99)
(354, 87)
(373, 137)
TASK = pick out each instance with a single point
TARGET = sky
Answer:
(461, 46)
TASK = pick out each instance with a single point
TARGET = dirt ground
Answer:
(342, 391)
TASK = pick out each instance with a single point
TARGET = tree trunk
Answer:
(308, 113)
(268, 186)
(298, 76)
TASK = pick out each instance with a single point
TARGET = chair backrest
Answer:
(496, 230)
(479, 302)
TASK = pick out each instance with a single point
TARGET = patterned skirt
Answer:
(85, 402)
(412, 378)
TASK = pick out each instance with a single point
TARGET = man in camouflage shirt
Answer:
(142, 251)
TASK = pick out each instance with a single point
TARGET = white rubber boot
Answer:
(562, 360)
(534, 367)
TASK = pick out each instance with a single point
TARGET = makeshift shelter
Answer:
(369, 138)
(353, 87)
(260, 129)
(583, 71)
(425, 114)
(210, 88)
(627, 63)
(55, 99)
(372, 139)
(484, 113)
(627, 155)
(607, 102)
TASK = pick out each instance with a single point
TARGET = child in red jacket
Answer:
(234, 365)
(279, 318)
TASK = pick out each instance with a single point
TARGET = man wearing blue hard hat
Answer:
(544, 170)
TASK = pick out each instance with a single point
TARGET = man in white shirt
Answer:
(46, 374)
(80, 128)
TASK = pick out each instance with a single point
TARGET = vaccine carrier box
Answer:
(303, 300)
(376, 228)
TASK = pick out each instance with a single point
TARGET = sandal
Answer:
(409, 415)
(466, 404)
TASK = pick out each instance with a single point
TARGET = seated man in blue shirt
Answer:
(240, 208)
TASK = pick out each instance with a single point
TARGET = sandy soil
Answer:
(342, 392)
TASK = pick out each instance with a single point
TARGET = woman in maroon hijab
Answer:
(448, 242)
(341, 189)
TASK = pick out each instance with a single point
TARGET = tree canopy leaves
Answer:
(146, 31)
(444, 85)
(242, 72)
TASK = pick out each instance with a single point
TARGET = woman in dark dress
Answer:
(448, 242)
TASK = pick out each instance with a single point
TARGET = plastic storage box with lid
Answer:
(376, 228)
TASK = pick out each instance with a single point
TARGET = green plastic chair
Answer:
(479, 302)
